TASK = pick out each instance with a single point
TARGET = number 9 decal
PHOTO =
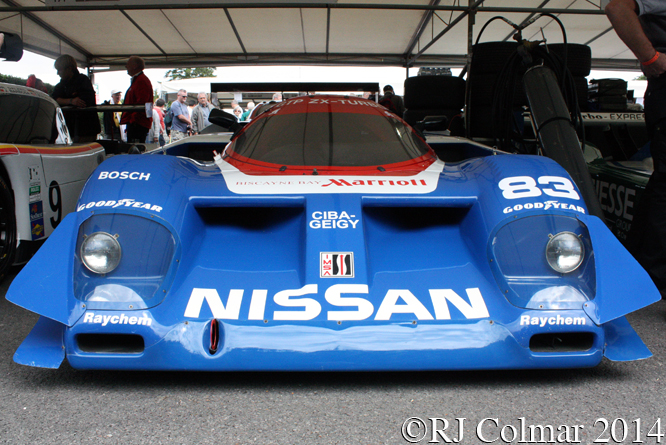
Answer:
(55, 201)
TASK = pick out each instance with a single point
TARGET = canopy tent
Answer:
(407, 33)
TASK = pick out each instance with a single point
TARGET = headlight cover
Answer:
(523, 255)
(101, 252)
(565, 252)
(142, 276)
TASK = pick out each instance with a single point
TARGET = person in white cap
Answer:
(112, 119)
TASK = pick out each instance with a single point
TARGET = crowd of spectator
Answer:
(160, 123)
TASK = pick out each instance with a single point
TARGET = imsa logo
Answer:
(336, 264)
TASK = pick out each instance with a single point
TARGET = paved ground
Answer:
(65, 406)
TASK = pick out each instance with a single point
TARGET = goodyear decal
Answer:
(120, 203)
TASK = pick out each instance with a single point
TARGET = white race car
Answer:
(41, 172)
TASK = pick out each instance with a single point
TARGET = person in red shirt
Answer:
(140, 92)
(159, 109)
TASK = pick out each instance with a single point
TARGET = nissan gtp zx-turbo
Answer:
(327, 235)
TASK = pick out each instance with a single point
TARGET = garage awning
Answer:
(168, 33)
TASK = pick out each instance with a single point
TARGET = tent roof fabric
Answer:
(282, 32)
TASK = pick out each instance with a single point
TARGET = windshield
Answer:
(26, 120)
(338, 132)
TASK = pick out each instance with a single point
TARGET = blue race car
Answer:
(327, 235)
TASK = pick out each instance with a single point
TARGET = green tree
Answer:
(641, 77)
(190, 73)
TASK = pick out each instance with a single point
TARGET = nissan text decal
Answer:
(306, 304)
(244, 184)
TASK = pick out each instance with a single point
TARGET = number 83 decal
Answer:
(517, 187)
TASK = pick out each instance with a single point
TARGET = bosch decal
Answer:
(332, 220)
(135, 176)
(120, 203)
(337, 264)
(396, 301)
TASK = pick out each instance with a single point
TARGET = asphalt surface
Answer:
(65, 406)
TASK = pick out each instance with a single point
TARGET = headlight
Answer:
(100, 252)
(106, 277)
(544, 262)
(565, 252)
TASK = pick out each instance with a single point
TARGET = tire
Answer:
(481, 122)
(482, 89)
(490, 57)
(434, 93)
(7, 227)
(579, 57)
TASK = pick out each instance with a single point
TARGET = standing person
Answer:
(140, 92)
(112, 118)
(155, 133)
(248, 111)
(159, 107)
(200, 114)
(34, 82)
(641, 24)
(392, 101)
(181, 120)
(238, 112)
(75, 90)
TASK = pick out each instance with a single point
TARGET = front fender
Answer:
(623, 286)
(44, 286)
